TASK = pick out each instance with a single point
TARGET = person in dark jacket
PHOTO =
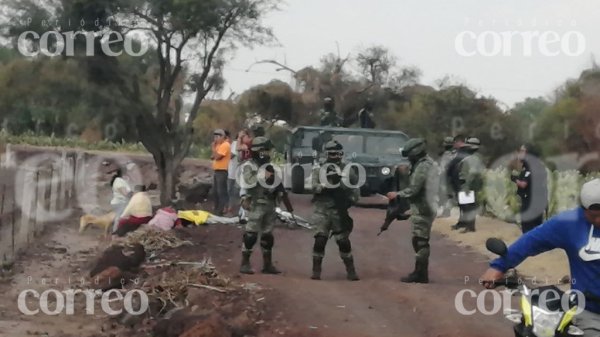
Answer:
(453, 169)
(532, 187)
(365, 116)
(576, 232)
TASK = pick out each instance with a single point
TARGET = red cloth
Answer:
(245, 154)
(130, 224)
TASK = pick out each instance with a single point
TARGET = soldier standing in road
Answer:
(332, 198)
(445, 187)
(260, 201)
(470, 174)
(328, 115)
(422, 194)
(452, 172)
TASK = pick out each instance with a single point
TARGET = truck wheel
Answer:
(298, 179)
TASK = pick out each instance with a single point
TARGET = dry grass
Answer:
(550, 266)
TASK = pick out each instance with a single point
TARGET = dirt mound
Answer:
(122, 257)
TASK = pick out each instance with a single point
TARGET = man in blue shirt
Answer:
(577, 232)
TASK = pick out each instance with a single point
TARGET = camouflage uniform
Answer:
(331, 216)
(260, 202)
(445, 185)
(470, 173)
(422, 195)
(328, 115)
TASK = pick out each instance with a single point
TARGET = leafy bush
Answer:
(563, 192)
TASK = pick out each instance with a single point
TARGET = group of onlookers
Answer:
(227, 155)
(133, 207)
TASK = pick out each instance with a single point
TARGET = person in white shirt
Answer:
(232, 187)
(121, 193)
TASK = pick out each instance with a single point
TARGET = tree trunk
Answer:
(167, 169)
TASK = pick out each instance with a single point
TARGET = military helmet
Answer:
(473, 143)
(448, 141)
(333, 145)
(414, 147)
(261, 144)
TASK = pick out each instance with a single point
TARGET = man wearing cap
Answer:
(445, 188)
(470, 175)
(422, 193)
(577, 232)
(328, 115)
(221, 154)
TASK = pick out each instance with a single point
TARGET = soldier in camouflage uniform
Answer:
(422, 194)
(328, 115)
(445, 187)
(470, 173)
(260, 201)
(331, 206)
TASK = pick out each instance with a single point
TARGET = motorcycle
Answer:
(540, 315)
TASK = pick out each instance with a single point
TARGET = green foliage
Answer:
(563, 192)
(500, 195)
(53, 97)
(435, 114)
(29, 138)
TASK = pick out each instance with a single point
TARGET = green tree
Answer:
(191, 41)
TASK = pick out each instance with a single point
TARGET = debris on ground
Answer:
(155, 241)
(170, 285)
(185, 297)
(125, 258)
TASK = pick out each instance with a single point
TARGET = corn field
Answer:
(502, 202)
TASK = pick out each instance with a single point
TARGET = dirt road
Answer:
(378, 305)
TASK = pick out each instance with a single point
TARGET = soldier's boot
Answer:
(316, 269)
(419, 275)
(350, 270)
(246, 268)
(469, 227)
(422, 272)
(268, 267)
(410, 277)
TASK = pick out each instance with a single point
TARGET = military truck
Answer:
(378, 151)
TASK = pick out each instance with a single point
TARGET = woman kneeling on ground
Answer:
(137, 212)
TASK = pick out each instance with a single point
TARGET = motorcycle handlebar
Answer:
(511, 284)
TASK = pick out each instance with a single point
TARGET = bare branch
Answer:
(280, 65)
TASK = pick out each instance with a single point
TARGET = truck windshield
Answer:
(304, 139)
(385, 145)
(351, 143)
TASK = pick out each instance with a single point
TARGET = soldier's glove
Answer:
(245, 202)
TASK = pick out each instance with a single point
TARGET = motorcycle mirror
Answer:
(573, 300)
(496, 246)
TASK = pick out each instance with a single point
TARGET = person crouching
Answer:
(137, 212)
